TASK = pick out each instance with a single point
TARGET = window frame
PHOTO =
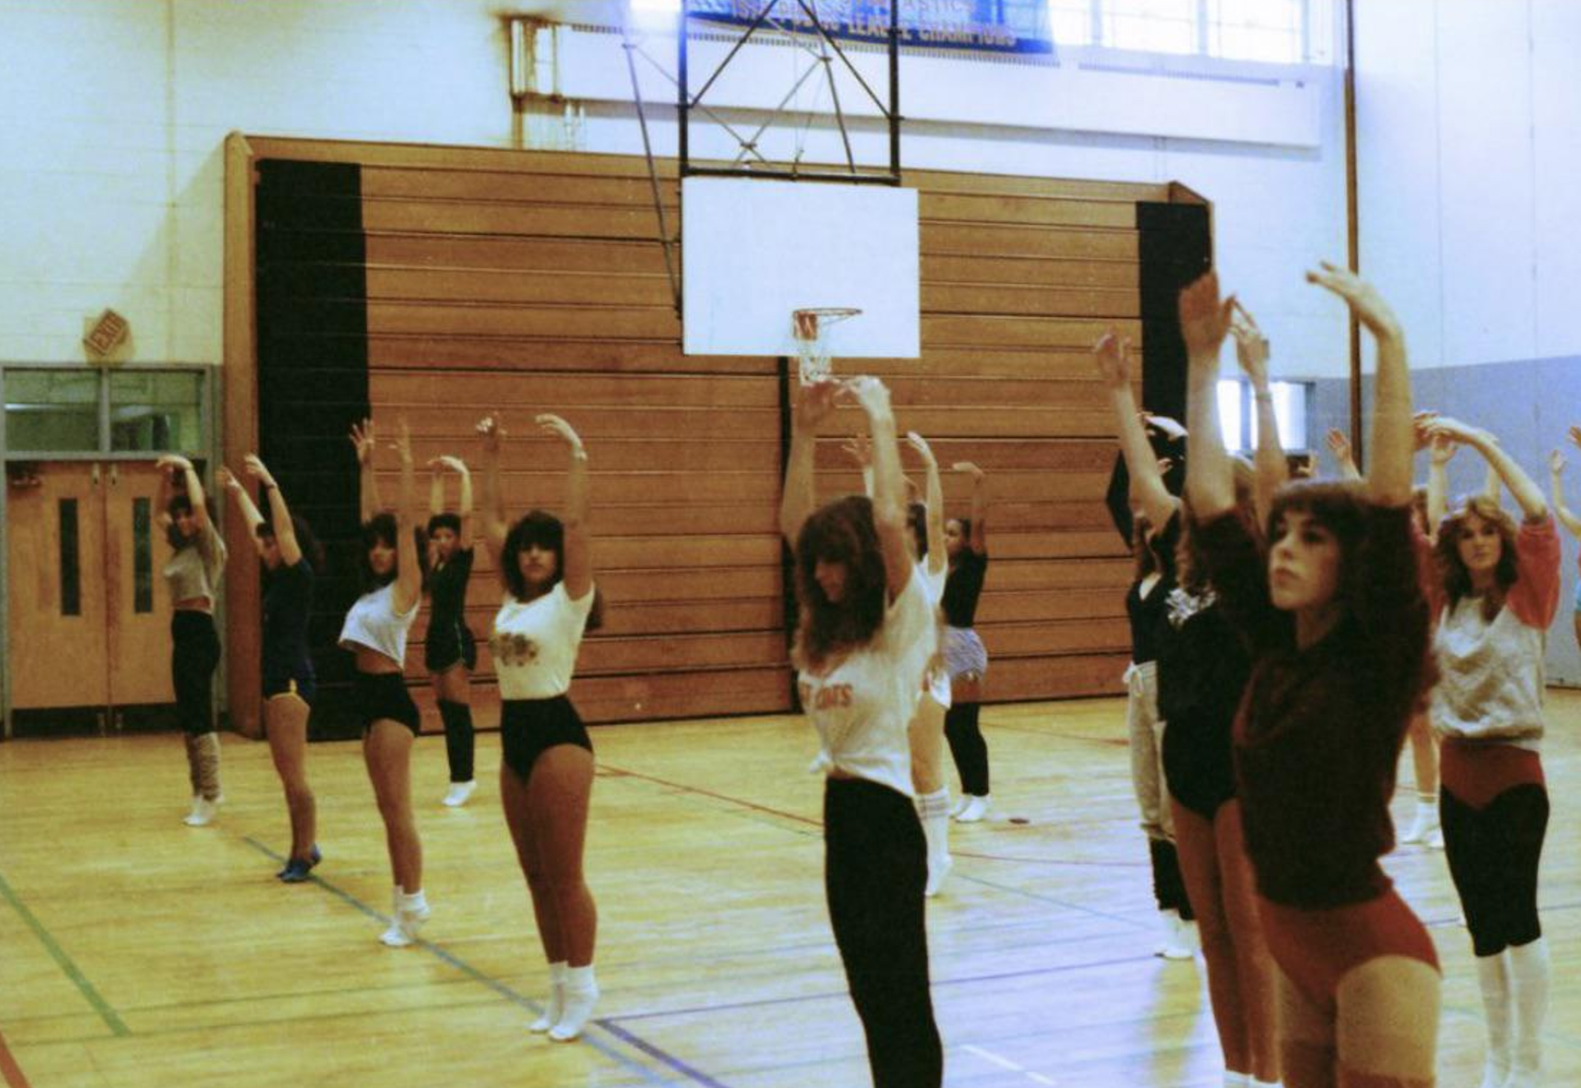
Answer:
(206, 412)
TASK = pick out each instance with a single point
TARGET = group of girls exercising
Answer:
(1286, 636)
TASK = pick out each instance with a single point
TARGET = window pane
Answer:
(1071, 21)
(154, 410)
(1230, 413)
(1155, 26)
(52, 410)
(1263, 30)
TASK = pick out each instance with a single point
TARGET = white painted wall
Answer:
(1469, 143)
(113, 112)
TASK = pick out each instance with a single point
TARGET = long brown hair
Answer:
(1452, 569)
(839, 532)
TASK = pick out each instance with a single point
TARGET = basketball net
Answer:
(811, 331)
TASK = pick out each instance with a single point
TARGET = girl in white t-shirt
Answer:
(865, 635)
(546, 773)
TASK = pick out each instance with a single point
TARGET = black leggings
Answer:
(1169, 886)
(195, 652)
(1493, 857)
(875, 867)
(459, 743)
(967, 747)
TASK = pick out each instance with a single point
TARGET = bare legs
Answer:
(285, 721)
(547, 817)
(387, 749)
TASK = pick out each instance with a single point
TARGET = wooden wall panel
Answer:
(517, 283)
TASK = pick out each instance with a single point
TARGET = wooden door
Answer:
(137, 600)
(57, 612)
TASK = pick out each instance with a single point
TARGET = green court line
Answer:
(101, 1006)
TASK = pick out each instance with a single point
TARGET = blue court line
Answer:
(517, 999)
(116, 1025)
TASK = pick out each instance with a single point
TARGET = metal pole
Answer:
(894, 89)
(683, 105)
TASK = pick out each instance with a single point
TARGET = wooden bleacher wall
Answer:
(524, 282)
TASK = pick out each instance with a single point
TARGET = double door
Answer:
(88, 613)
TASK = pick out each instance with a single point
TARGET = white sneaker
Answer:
(976, 809)
(202, 813)
(1435, 839)
(960, 805)
(459, 793)
(1177, 938)
(404, 927)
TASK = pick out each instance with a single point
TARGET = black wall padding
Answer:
(313, 383)
(1176, 247)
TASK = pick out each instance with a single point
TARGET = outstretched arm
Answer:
(363, 441)
(1440, 450)
(1520, 485)
(175, 463)
(1393, 434)
(578, 572)
(409, 576)
(436, 487)
(979, 515)
(1251, 351)
(244, 503)
(937, 559)
(1111, 357)
(889, 509)
(1204, 323)
(494, 529)
(797, 501)
(1556, 473)
(279, 513)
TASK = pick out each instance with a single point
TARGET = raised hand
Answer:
(1441, 449)
(492, 431)
(1421, 426)
(1338, 444)
(871, 393)
(226, 478)
(1575, 435)
(818, 401)
(967, 466)
(920, 444)
(1251, 346)
(255, 468)
(1556, 463)
(859, 449)
(1111, 355)
(1205, 317)
(445, 460)
(403, 442)
(1454, 430)
(559, 428)
(363, 440)
(1362, 298)
(174, 463)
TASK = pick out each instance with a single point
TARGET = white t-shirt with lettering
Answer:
(862, 705)
(534, 643)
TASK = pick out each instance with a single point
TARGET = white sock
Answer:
(581, 991)
(554, 1007)
(1236, 1080)
(934, 809)
(413, 902)
(1493, 977)
(1529, 970)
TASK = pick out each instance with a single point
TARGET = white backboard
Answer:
(753, 251)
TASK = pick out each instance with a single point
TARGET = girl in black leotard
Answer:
(291, 557)
(449, 652)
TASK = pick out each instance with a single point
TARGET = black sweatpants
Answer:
(195, 653)
(875, 868)
(967, 745)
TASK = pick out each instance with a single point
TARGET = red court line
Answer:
(14, 1077)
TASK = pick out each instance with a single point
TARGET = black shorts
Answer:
(290, 678)
(447, 645)
(529, 727)
(383, 695)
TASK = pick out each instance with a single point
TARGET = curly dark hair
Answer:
(1452, 569)
(1341, 507)
(182, 504)
(546, 531)
(842, 531)
(445, 521)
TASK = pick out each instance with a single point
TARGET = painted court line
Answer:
(9, 1069)
(452, 960)
(58, 954)
(1006, 1063)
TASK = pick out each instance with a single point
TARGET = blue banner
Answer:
(982, 26)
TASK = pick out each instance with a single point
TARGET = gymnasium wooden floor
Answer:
(135, 951)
